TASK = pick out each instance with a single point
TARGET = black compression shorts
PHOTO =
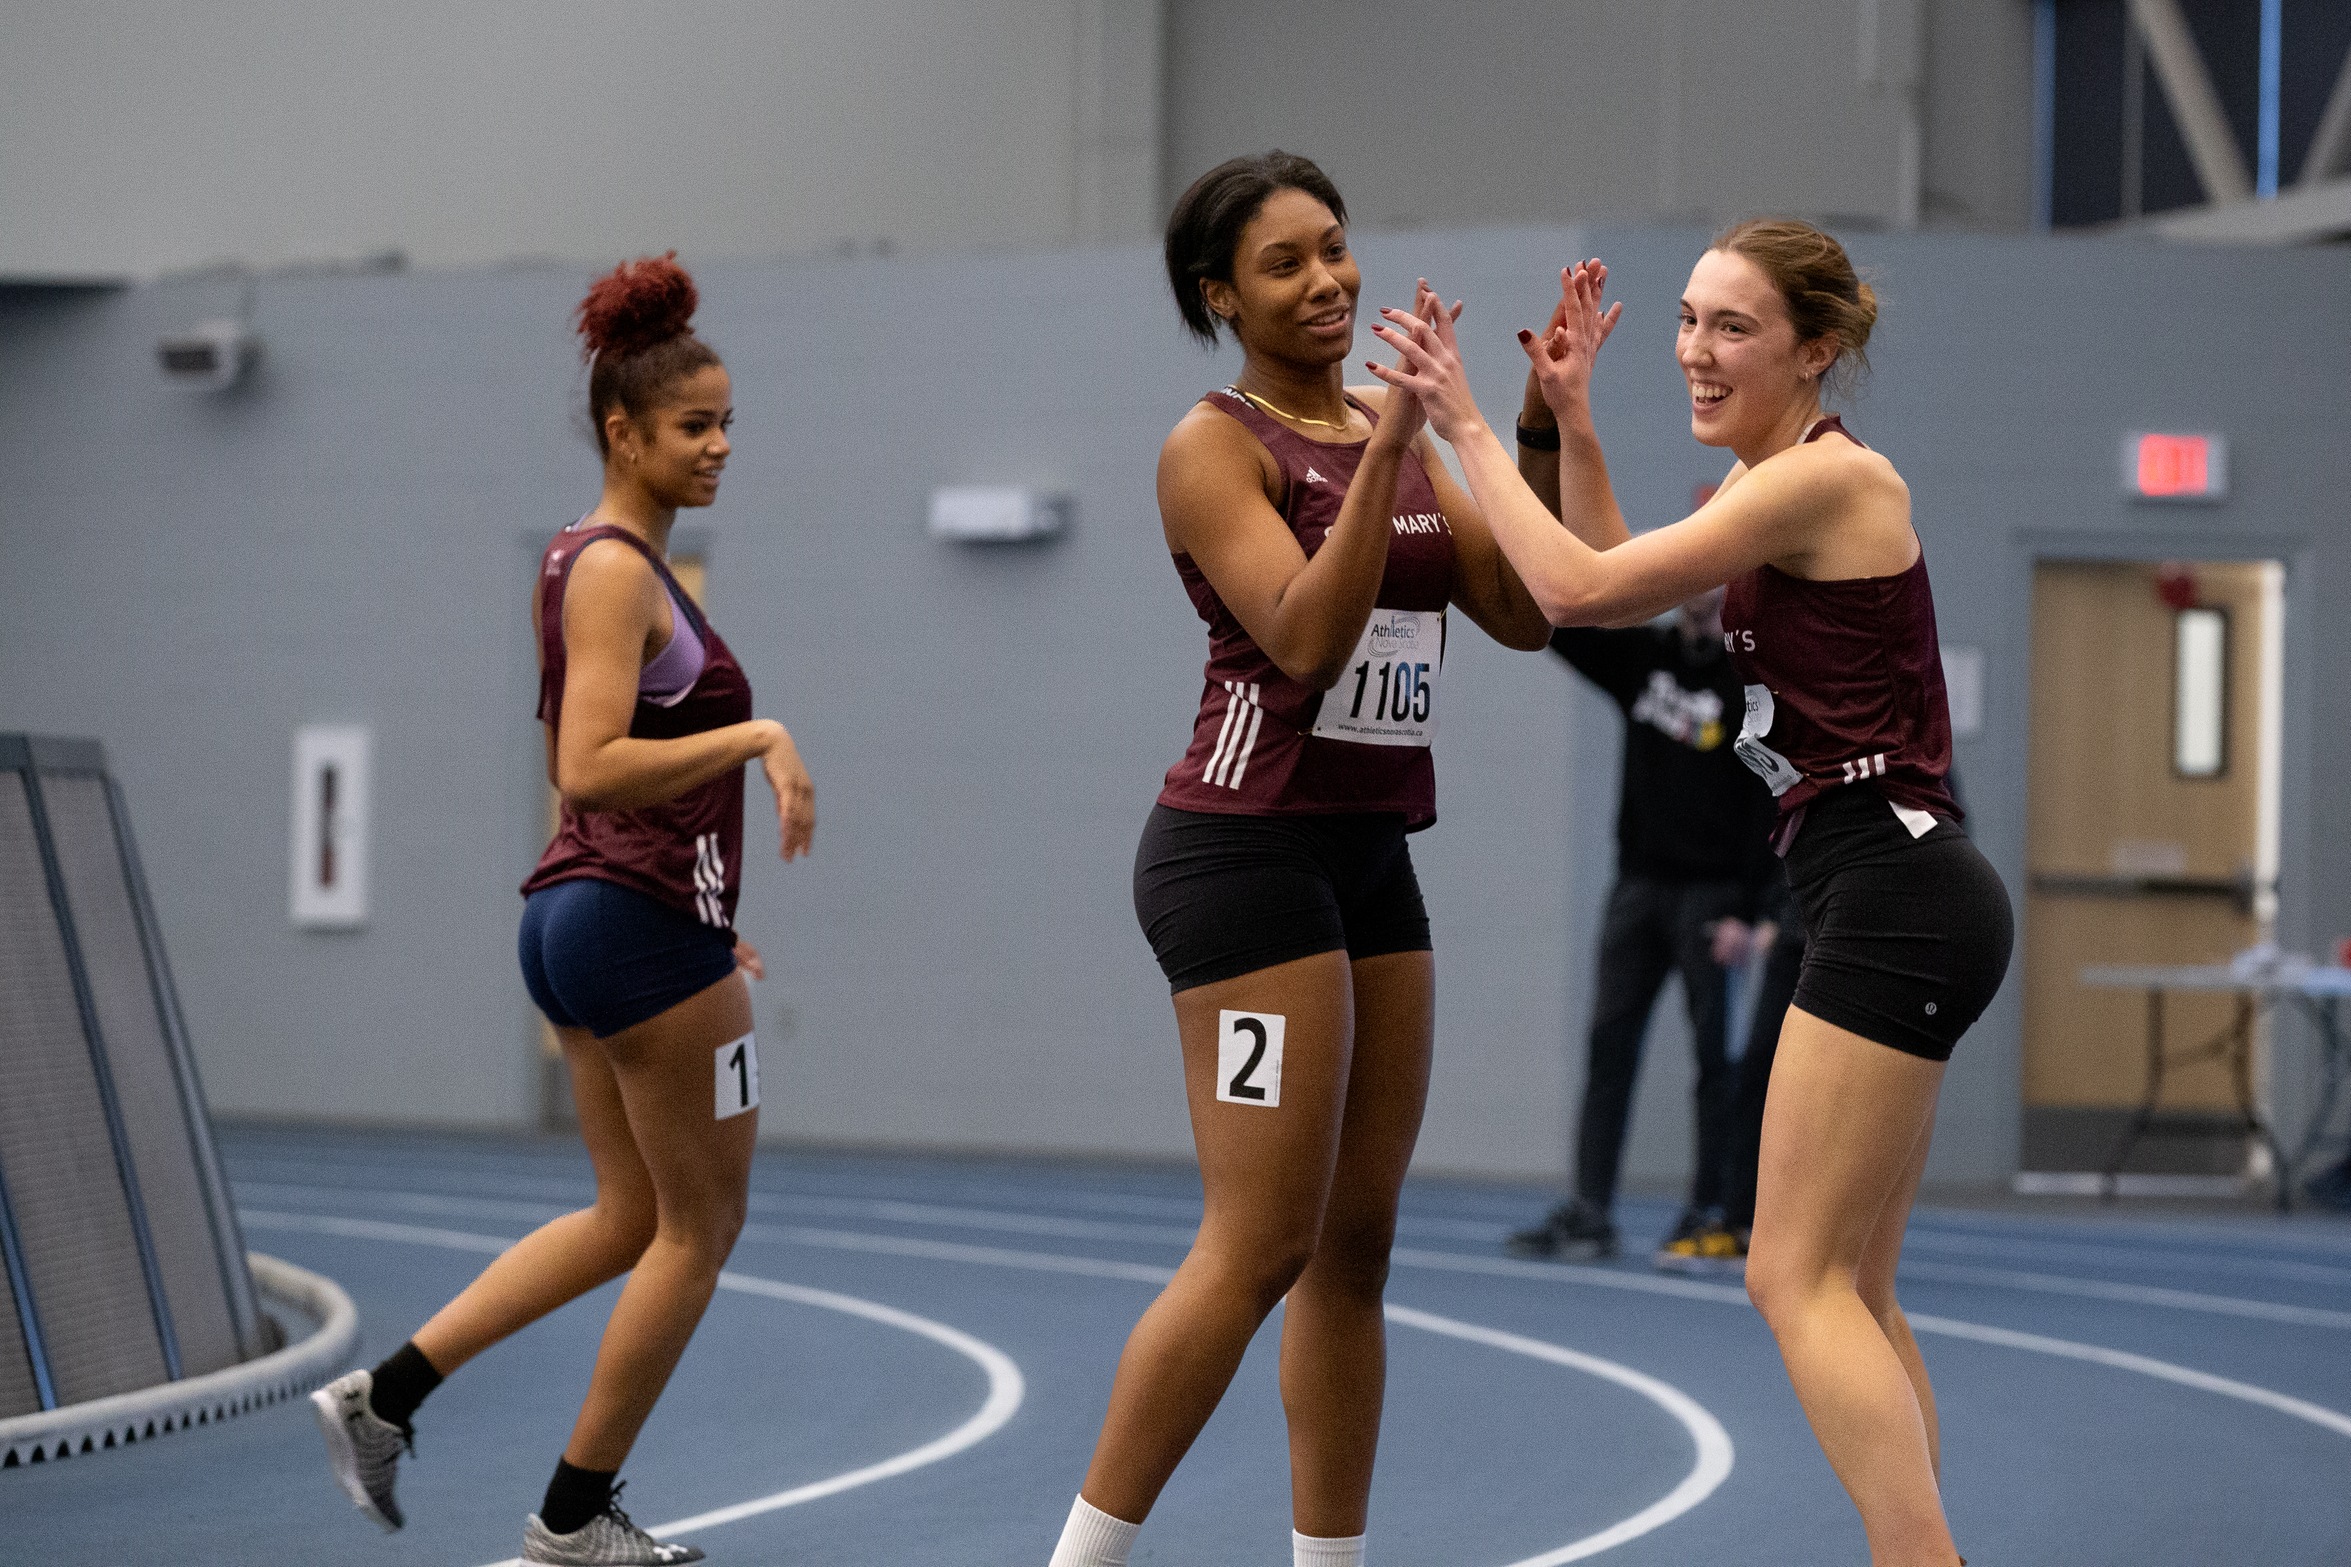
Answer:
(1906, 938)
(1220, 896)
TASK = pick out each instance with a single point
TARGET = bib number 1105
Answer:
(1388, 695)
(1404, 692)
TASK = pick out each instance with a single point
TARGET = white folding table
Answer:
(2316, 991)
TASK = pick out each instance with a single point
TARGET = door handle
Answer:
(2242, 889)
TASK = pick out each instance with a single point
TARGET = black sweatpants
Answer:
(1780, 969)
(1653, 929)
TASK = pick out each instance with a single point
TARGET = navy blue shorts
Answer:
(599, 956)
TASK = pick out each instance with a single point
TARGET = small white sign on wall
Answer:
(1963, 686)
(329, 872)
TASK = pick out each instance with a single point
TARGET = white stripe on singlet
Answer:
(1256, 717)
(1223, 736)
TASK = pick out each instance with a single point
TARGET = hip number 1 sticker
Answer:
(735, 1077)
(1249, 1058)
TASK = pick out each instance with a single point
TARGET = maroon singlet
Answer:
(1253, 749)
(686, 852)
(1844, 684)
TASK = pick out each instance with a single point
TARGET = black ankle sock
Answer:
(400, 1384)
(575, 1496)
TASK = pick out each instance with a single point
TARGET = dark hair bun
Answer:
(636, 306)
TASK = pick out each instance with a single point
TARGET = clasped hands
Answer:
(1429, 367)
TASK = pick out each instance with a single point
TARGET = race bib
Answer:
(735, 1077)
(1766, 763)
(1388, 696)
(1249, 1057)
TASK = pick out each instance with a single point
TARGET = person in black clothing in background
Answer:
(1776, 937)
(1694, 867)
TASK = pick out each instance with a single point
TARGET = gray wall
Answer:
(1549, 111)
(145, 135)
(139, 136)
(350, 537)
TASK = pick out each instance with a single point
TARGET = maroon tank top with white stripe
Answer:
(1844, 683)
(1267, 745)
(686, 852)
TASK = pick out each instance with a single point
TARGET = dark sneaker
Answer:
(1575, 1231)
(2331, 1188)
(609, 1539)
(363, 1448)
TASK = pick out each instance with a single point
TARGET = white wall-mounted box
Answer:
(328, 880)
(996, 514)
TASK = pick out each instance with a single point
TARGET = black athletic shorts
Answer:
(1906, 938)
(1225, 895)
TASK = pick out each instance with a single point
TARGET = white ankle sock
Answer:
(1092, 1538)
(1308, 1551)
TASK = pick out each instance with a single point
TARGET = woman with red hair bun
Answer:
(628, 943)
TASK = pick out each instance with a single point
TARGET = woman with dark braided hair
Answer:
(627, 944)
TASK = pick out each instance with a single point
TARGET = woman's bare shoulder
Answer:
(1205, 442)
(608, 572)
(1838, 469)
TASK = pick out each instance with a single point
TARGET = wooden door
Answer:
(2131, 859)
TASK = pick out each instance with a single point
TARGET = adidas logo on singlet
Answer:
(1315, 478)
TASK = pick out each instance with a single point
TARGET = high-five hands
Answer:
(1428, 366)
(1404, 416)
(1561, 357)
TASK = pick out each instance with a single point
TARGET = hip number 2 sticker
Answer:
(1249, 1058)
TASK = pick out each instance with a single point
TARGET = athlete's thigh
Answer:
(670, 1070)
(1266, 1161)
(1387, 1085)
(1840, 1125)
(621, 1177)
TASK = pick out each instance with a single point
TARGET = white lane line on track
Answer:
(1930, 1272)
(1950, 1327)
(1600, 1278)
(2146, 1365)
(2136, 1294)
(1715, 1454)
(1006, 1387)
(1084, 1229)
(2175, 1261)
(1686, 1289)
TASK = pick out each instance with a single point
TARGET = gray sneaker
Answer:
(363, 1447)
(607, 1540)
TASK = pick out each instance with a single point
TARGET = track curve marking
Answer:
(1715, 1453)
(1006, 1387)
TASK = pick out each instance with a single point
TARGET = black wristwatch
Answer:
(1538, 438)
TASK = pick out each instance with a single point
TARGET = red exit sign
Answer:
(2161, 467)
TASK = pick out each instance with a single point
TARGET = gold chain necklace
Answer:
(1325, 424)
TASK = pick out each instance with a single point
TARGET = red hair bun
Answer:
(637, 305)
